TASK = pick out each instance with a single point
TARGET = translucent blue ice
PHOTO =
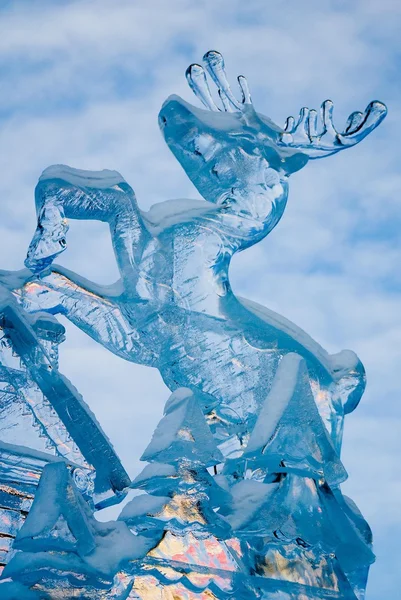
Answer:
(242, 496)
(64, 546)
(43, 418)
(42, 410)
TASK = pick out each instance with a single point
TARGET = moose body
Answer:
(174, 308)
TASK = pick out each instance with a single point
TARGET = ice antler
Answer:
(322, 139)
(214, 63)
(310, 135)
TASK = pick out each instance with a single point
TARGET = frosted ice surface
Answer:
(289, 433)
(242, 494)
(61, 535)
(183, 432)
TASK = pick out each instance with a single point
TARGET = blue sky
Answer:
(82, 83)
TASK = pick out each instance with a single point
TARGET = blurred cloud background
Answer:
(82, 82)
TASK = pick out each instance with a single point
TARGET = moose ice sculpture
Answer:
(174, 309)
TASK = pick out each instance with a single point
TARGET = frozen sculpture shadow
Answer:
(245, 472)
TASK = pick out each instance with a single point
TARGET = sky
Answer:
(82, 83)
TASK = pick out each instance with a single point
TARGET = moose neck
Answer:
(246, 215)
(251, 211)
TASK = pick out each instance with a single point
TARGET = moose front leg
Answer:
(93, 310)
(65, 193)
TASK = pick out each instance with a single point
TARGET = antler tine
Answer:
(243, 84)
(363, 125)
(326, 115)
(214, 62)
(225, 101)
(302, 127)
(197, 81)
(302, 131)
(304, 134)
(313, 124)
(353, 121)
(289, 125)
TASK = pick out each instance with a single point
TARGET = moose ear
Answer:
(293, 163)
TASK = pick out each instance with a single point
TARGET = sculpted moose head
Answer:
(239, 158)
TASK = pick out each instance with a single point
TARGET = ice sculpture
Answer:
(43, 418)
(242, 491)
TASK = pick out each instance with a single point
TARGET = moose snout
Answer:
(174, 114)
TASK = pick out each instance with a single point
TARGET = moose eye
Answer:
(62, 242)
